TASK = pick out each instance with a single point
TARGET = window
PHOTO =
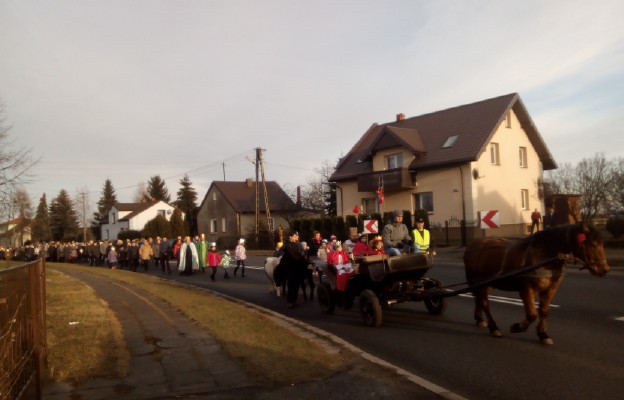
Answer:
(223, 225)
(161, 212)
(525, 199)
(450, 141)
(113, 221)
(494, 154)
(370, 205)
(424, 201)
(214, 196)
(523, 157)
(213, 226)
(508, 120)
(394, 161)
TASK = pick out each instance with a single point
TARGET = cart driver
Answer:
(396, 238)
(422, 239)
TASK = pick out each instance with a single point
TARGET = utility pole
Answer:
(260, 171)
(84, 216)
(257, 163)
(266, 203)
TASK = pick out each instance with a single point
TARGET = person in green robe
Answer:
(202, 251)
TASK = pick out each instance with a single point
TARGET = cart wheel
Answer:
(435, 306)
(325, 298)
(370, 308)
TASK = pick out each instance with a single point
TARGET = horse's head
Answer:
(590, 250)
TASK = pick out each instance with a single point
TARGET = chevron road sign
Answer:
(488, 219)
(371, 226)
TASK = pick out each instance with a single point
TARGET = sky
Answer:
(126, 90)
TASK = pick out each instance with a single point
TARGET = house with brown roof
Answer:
(454, 163)
(15, 232)
(132, 216)
(228, 210)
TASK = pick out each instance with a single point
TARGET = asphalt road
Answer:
(586, 323)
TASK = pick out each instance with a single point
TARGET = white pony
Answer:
(270, 264)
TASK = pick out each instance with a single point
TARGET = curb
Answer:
(321, 338)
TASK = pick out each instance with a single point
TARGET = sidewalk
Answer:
(172, 358)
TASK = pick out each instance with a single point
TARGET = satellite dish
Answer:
(475, 173)
(168, 211)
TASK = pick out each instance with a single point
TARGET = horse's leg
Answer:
(482, 303)
(271, 282)
(310, 279)
(303, 289)
(478, 311)
(546, 297)
(527, 294)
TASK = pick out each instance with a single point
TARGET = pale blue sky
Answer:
(130, 89)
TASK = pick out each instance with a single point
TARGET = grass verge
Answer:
(270, 354)
(85, 340)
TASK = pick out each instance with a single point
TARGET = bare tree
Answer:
(616, 189)
(142, 194)
(15, 164)
(315, 195)
(83, 209)
(562, 180)
(594, 180)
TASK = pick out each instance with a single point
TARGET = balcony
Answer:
(393, 179)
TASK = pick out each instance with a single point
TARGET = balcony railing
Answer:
(393, 179)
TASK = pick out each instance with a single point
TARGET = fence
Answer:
(22, 330)
(454, 232)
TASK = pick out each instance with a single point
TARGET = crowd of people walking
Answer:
(300, 261)
(184, 255)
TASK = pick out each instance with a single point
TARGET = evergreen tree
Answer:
(158, 226)
(331, 206)
(157, 189)
(177, 225)
(187, 198)
(63, 218)
(40, 228)
(107, 200)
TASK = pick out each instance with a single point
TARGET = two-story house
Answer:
(133, 216)
(228, 211)
(452, 163)
(15, 232)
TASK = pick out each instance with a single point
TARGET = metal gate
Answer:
(454, 232)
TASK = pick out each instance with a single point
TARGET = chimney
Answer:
(249, 182)
(400, 117)
(298, 196)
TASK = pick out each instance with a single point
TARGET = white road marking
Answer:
(497, 299)
(506, 300)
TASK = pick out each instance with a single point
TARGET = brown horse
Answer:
(552, 249)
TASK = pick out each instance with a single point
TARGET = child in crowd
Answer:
(361, 247)
(112, 258)
(213, 258)
(339, 259)
(278, 250)
(377, 246)
(226, 261)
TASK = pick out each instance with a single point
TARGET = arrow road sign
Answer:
(370, 226)
(489, 219)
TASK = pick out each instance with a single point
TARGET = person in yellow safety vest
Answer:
(422, 238)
